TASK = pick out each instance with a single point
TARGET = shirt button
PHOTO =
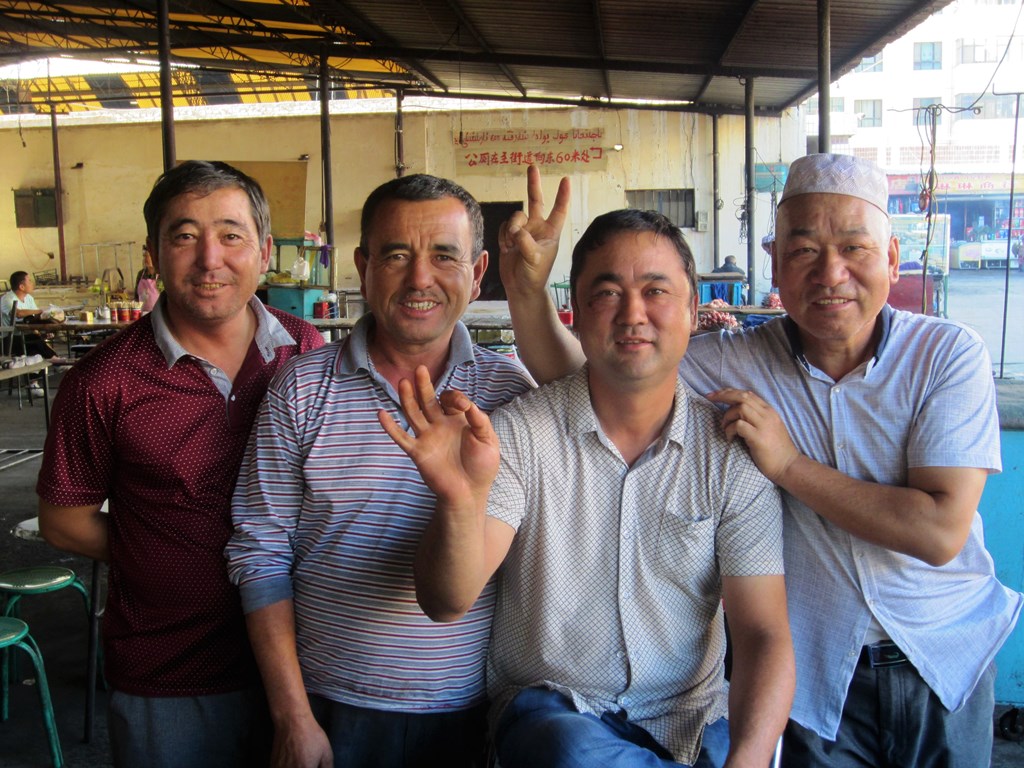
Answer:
(232, 398)
(836, 390)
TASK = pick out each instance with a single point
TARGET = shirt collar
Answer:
(796, 344)
(355, 352)
(582, 419)
(270, 334)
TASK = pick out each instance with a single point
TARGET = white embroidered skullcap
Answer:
(837, 175)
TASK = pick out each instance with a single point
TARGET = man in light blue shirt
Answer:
(880, 427)
(19, 304)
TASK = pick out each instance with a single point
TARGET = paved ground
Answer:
(976, 299)
(58, 621)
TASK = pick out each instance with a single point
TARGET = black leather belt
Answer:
(883, 654)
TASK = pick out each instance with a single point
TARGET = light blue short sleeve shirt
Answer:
(926, 399)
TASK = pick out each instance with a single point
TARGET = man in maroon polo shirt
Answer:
(156, 420)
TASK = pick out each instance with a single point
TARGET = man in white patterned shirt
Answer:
(621, 518)
(880, 427)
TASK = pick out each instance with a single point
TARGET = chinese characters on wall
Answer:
(504, 150)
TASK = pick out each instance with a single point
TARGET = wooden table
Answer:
(70, 328)
(44, 368)
(74, 326)
(494, 316)
(746, 309)
(479, 316)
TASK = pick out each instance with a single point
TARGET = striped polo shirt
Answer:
(329, 511)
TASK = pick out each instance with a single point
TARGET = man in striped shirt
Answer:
(328, 510)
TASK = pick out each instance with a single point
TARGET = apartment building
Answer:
(942, 97)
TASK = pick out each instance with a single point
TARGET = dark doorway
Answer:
(495, 214)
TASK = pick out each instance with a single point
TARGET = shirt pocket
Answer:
(685, 551)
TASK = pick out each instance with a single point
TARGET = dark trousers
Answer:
(35, 344)
(892, 719)
(227, 730)
(371, 738)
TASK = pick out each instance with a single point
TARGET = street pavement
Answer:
(978, 298)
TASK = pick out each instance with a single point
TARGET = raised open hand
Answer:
(453, 444)
(528, 243)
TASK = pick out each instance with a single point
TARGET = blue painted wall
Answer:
(1002, 509)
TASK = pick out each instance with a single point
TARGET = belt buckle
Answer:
(886, 654)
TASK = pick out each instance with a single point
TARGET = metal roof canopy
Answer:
(693, 55)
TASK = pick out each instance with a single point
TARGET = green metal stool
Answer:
(36, 580)
(14, 634)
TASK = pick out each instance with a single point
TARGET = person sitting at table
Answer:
(723, 291)
(729, 266)
(18, 304)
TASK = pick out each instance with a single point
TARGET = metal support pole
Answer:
(1009, 235)
(325, 152)
(716, 192)
(824, 75)
(399, 135)
(926, 298)
(58, 192)
(166, 85)
(748, 96)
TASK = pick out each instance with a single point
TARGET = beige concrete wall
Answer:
(103, 197)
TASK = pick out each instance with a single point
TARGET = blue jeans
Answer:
(228, 729)
(540, 728)
(892, 719)
(373, 738)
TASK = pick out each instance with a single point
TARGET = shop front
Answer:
(978, 206)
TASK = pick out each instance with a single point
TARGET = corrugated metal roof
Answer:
(693, 53)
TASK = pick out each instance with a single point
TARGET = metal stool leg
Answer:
(29, 646)
(92, 671)
(14, 634)
(45, 579)
(6, 673)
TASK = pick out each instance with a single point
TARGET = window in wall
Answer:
(989, 106)
(978, 51)
(963, 101)
(870, 64)
(836, 104)
(869, 113)
(921, 114)
(35, 208)
(927, 55)
(676, 204)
